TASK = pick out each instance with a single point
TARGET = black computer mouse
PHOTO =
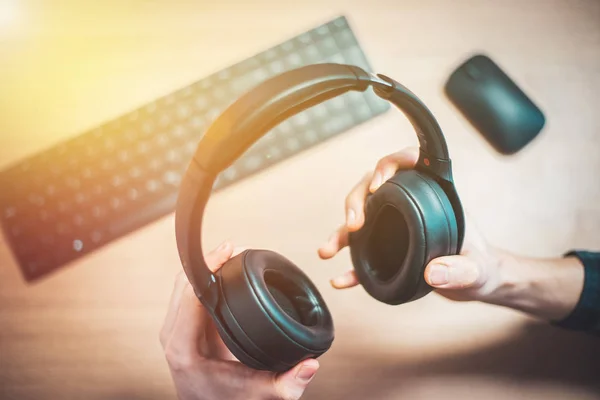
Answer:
(494, 104)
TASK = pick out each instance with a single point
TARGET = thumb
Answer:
(453, 272)
(290, 385)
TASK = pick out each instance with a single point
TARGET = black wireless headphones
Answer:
(267, 311)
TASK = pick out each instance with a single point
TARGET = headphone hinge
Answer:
(209, 295)
(436, 167)
(382, 85)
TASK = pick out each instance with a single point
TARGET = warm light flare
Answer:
(9, 12)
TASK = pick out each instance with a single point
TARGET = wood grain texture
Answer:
(91, 331)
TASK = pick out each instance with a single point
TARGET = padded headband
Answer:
(258, 111)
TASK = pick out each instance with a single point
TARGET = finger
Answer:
(454, 272)
(189, 328)
(238, 250)
(336, 242)
(355, 203)
(180, 282)
(291, 385)
(344, 281)
(218, 379)
(219, 256)
(389, 165)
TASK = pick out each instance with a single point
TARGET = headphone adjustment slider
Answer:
(382, 85)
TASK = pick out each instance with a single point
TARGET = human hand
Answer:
(475, 274)
(201, 365)
(545, 288)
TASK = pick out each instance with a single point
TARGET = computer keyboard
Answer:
(81, 194)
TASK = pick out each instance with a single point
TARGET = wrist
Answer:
(545, 288)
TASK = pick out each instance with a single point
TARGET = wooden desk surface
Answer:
(91, 331)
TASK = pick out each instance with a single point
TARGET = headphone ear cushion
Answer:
(272, 312)
(408, 222)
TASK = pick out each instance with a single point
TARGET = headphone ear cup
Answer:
(270, 315)
(224, 320)
(409, 221)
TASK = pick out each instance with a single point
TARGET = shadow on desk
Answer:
(537, 362)
(543, 358)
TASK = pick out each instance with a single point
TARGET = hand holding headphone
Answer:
(267, 311)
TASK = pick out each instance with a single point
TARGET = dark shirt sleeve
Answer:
(586, 315)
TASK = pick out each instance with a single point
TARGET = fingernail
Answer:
(223, 246)
(377, 180)
(351, 217)
(306, 373)
(438, 274)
